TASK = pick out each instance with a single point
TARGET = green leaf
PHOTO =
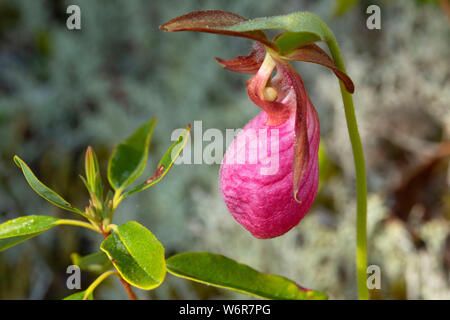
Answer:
(41, 189)
(165, 163)
(223, 272)
(137, 255)
(79, 296)
(91, 167)
(289, 41)
(293, 22)
(93, 179)
(96, 262)
(18, 230)
(130, 157)
(304, 27)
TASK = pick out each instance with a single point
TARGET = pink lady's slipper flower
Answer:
(270, 173)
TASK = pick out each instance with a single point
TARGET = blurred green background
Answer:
(62, 90)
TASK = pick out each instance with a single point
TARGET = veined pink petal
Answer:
(264, 203)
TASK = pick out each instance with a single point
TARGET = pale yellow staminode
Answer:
(270, 94)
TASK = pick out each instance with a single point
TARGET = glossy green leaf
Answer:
(137, 255)
(18, 230)
(79, 296)
(41, 189)
(96, 262)
(129, 157)
(165, 163)
(220, 271)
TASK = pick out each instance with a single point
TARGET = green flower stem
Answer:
(76, 223)
(360, 168)
(97, 281)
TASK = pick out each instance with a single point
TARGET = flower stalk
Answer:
(360, 169)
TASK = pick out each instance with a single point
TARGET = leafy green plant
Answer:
(130, 251)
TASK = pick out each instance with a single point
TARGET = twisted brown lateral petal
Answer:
(313, 53)
(245, 64)
(214, 21)
(301, 141)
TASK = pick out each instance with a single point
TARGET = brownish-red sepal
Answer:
(301, 142)
(313, 53)
(245, 64)
(214, 21)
